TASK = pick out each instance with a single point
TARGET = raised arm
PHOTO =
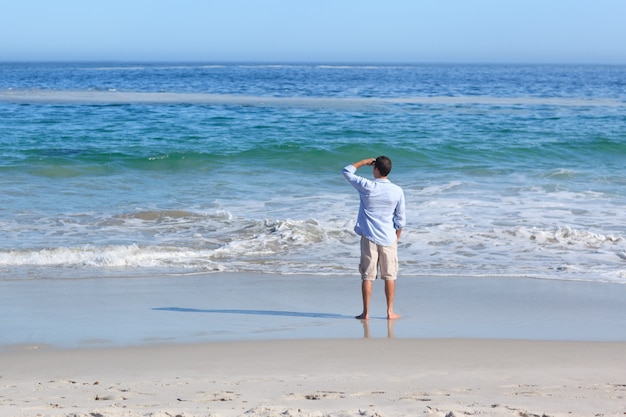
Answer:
(363, 162)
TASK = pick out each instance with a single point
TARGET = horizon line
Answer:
(306, 62)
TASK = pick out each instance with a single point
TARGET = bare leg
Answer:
(366, 290)
(390, 291)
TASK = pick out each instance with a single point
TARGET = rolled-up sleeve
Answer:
(399, 216)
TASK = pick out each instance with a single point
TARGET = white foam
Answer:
(454, 229)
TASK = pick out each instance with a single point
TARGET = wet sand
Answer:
(263, 345)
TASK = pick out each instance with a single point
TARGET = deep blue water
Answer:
(136, 169)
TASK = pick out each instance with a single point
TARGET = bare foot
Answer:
(363, 316)
(392, 316)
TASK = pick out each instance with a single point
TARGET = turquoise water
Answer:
(125, 170)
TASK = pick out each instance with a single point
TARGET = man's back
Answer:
(382, 207)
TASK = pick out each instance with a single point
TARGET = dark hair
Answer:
(383, 164)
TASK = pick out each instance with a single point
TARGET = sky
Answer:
(331, 31)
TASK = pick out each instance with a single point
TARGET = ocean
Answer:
(125, 170)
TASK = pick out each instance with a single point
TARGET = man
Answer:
(379, 223)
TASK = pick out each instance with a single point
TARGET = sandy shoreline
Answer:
(270, 345)
(101, 312)
(362, 377)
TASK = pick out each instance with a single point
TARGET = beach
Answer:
(176, 239)
(222, 307)
(372, 377)
(207, 345)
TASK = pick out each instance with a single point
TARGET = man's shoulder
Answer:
(393, 184)
(398, 189)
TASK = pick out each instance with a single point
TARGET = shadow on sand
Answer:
(256, 312)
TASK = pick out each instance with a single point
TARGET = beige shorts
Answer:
(374, 257)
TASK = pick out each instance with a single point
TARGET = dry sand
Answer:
(356, 377)
(262, 345)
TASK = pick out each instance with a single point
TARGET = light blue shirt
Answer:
(381, 211)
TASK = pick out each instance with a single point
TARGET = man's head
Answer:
(383, 165)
